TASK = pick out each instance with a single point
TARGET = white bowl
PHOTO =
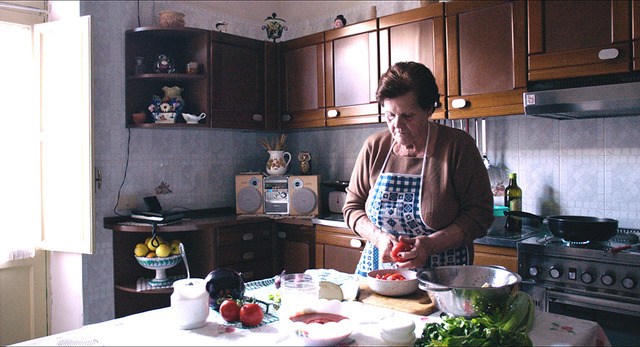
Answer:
(158, 262)
(160, 265)
(317, 334)
(393, 288)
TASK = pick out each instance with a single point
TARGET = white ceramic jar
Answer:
(190, 303)
(398, 331)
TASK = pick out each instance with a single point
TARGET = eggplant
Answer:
(222, 283)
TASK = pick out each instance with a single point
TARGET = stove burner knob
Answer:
(534, 271)
(607, 279)
(554, 272)
(628, 282)
(587, 277)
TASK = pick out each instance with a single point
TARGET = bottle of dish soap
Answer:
(513, 200)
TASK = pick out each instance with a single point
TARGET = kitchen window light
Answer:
(47, 179)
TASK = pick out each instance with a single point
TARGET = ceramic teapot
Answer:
(191, 118)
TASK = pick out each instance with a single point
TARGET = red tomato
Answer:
(230, 311)
(396, 277)
(251, 315)
(400, 247)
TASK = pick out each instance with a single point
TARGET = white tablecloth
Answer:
(158, 328)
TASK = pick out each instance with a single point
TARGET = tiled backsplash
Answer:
(589, 167)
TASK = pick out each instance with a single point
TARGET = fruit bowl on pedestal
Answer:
(160, 265)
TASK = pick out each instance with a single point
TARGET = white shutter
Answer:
(63, 58)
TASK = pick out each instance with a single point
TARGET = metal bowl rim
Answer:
(441, 287)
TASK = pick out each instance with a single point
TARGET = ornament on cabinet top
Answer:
(274, 27)
(339, 22)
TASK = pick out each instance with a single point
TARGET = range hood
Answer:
(593, 97)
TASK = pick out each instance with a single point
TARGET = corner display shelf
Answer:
(182, 45)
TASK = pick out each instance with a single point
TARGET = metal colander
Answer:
(469, 289)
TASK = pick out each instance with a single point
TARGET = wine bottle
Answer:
(513, 200)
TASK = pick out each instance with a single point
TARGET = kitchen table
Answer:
(157, 328)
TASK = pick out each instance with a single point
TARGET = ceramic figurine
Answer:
(339, 22)
(164, 64)
(305, 162)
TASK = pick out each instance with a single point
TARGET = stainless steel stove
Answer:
(598, 281)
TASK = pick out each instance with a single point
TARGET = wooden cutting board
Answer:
(416, 303)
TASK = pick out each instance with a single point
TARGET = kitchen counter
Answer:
(143, 329)
(332, 220)
(510, 241)
(492, 239)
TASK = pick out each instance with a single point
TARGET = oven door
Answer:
(619, 317)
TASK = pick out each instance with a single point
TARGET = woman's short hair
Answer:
(406, 77)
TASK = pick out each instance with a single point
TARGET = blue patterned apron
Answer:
(393, 206)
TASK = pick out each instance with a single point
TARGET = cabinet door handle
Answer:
(248, 274)
(332, 113)
(282, 235)
(247, 236)
(247, 256)
(286, 117)
(608, 53)
(355, 243)
(257, 117)
(458, 103)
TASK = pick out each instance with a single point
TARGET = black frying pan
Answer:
(575, 228)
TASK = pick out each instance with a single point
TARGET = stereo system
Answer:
(282, 195)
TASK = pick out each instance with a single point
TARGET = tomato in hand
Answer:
(400, 247)
(251, 314)
(230, 311)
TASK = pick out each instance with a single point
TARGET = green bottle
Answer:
(513, 200)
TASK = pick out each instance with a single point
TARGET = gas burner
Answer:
(582, 244)
(550, 240)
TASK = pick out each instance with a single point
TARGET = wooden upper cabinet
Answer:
(416, 35)
(302, 78)
(486, 58)
(351, 74)
(578, 38)
(237, 82)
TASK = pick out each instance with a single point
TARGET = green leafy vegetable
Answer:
(496, 329)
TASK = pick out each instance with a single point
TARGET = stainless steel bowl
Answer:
(468, 289)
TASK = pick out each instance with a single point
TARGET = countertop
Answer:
(226, 216)
(492, 239)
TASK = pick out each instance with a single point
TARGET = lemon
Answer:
(159, 241)
(141, 250)
(163, 250)
(151, 255)
(175, 248)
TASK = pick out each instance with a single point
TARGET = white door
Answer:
(23, 312)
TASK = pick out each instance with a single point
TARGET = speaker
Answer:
(249, 194)
(304, 195)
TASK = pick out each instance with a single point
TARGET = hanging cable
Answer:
(138, 13)
(126, 166)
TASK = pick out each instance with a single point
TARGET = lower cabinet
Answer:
(493, 255)
(295, 247)
(337, 248)
(246, 248)
(241, 245)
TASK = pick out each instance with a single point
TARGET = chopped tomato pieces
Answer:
(391, 277)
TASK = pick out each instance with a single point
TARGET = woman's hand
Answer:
(421, 249)
(385, 242)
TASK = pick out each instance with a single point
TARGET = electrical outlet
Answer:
(127, 202)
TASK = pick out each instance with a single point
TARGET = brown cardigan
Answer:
(455, 185)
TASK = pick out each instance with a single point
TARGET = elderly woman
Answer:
(418, 182)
